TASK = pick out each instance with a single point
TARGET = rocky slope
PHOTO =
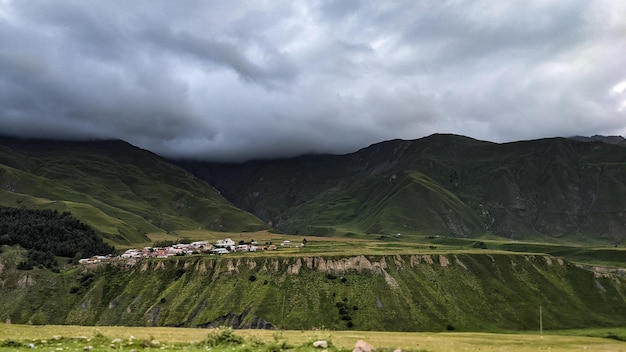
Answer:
(460, 291)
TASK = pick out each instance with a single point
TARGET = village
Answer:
(220, 247)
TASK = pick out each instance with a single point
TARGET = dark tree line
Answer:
(48, 233)
(38, 258)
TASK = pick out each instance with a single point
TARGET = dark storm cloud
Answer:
(224, 80)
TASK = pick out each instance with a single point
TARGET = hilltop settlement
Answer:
(220, 247)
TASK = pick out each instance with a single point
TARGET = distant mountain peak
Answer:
(617, 140)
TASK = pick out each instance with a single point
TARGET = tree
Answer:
(46, 233)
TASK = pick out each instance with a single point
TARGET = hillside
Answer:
(46, 234)
(122, 192)
(420, 292)
(551, 189)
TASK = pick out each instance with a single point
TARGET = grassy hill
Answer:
(551, 189)
(429, 291)
(123, 192)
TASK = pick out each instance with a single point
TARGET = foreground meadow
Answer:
(104, 338)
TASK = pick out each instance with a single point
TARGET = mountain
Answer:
(553, 189)
(549, 189)
(619, 140)
(123, 192)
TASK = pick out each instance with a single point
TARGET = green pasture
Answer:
(360, 244)
(106, 338)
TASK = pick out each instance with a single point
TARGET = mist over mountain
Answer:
(448, 185)
(619, 140)
(234, 81)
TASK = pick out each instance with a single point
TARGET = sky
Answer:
(238, 80)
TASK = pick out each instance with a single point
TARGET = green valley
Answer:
(444, 233)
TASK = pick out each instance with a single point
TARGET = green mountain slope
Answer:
(431, 292)
(122, 191)
(555, 189)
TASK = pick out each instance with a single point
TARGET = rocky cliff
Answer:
(461, 291)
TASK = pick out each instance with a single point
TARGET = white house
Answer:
(242, 248)
(131, 253)
(225, 243)
(199, 244)
(219, 251)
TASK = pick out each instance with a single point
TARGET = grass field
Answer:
(591, 254)
(53, 338)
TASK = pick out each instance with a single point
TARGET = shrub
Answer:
(614, 336)
(164, 243)
(24, 266)
(86, 279)
(342, 309)
(223, 337)
(179, 273)
(480, 245)
(11, 343)
(39, 259)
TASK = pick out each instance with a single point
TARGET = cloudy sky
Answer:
(234, 80)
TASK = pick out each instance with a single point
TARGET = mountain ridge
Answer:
(618, 140)
(123, 191)
(547, 189)
(544, 188)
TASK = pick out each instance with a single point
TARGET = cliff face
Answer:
(408, 292)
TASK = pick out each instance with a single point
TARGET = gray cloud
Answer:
(229, 81)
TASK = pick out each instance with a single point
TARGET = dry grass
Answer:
(316, 245)
(343, 339)
(259, 236)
